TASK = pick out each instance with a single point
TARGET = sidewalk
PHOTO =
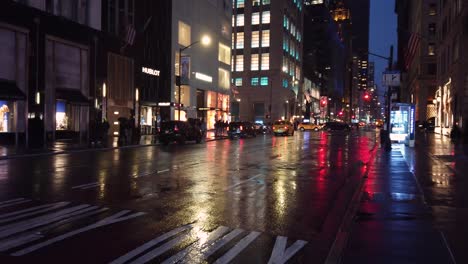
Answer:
(62, 147)
(393, 223)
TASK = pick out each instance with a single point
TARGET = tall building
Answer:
(417, 29)
(451, 96)
(47, 66)
(266, 64)
(325, 55)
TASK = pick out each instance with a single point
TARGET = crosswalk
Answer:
(27, 227)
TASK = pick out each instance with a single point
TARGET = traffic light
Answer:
(366, 96)
(340, 113)
(323, 102)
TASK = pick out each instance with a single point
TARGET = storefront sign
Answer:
(150, 71)
(185, 70)
(203, 77)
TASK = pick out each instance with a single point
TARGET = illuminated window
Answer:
(238, 81)
(224, 54)
(240, 40)
(240, 3)
(431, 49)
(433, 9)
(255, 18)
(265, 2)
(254, 81)
(285, 83)
(233, 43)
(255, 39)
(184, 34)
(254, 64)
(239, 63)
(285, 64)
(264, 81)
(266, 38)
(255, 2)
(265, 65)
(223, 78)
(266, 17)
(240, 20)
(233, 21)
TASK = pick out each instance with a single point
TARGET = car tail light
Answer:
(241, 128)
(285, 127)
(227, 128)
(176, 128)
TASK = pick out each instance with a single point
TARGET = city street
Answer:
(251, 200)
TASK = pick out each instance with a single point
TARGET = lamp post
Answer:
(205, 41)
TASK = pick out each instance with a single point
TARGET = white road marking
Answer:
(211, 237)
(241, 182)
(280, 254)
(22, 226)
(11, 201)
(162, 171)
(90, 187)
(241, 245)
(150, 244)
(15, 202)
(31, 211)
(84, 185)
(118, 217)
(161, 249)
(219, 244)
(35, 235)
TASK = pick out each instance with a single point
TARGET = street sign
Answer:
(391, 78)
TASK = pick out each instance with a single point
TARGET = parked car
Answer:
(309, 126)
(336, 126)
(241, 130)
(179, 131)
(282, 127)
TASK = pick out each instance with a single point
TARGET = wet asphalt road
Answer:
(242, 201)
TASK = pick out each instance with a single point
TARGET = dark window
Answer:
(49, 6)
(432, 29)
(431, 69)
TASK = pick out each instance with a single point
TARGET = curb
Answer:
(62, 152)
(341, 240)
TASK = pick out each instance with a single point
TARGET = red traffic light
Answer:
(366, 96)
(323, 102)
(340, 113)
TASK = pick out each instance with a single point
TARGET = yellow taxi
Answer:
(282, 127)
(309, 126)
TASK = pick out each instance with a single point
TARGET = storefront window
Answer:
(61, 118)
(6, 117)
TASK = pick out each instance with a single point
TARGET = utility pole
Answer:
(388, 143)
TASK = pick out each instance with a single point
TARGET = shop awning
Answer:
(72, 96)
(10, 91)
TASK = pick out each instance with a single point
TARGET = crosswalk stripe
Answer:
(31, 211)
(15, 203)
(161, 249)
(211, 237)
(115, 218)
(220, 243)
(11, 201)
(24, 239)
(280, 254)
(26, 210)
(22, 226)
(241, 245)
(150, 244)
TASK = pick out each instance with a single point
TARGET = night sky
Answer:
(383, 33)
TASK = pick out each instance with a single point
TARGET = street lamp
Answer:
(205, 41)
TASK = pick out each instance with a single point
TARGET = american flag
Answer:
(411, 49)
(130, 35)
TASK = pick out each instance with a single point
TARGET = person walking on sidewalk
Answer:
(203, 127)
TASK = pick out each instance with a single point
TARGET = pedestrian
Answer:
(203, 127)
(131, 129)
(105, 132)
(123, 122)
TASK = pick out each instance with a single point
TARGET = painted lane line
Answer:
(35, 235)
(28, 212)
(15, 203)
(219, 244)
(90, 187)
(241, 182)
(84, 185)
(150, 244)
(214, 235)
(118, 217)
(280, 254)
(241, 245)
(12, 229)
(11, 201)
(162, 171)
(161, 249)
